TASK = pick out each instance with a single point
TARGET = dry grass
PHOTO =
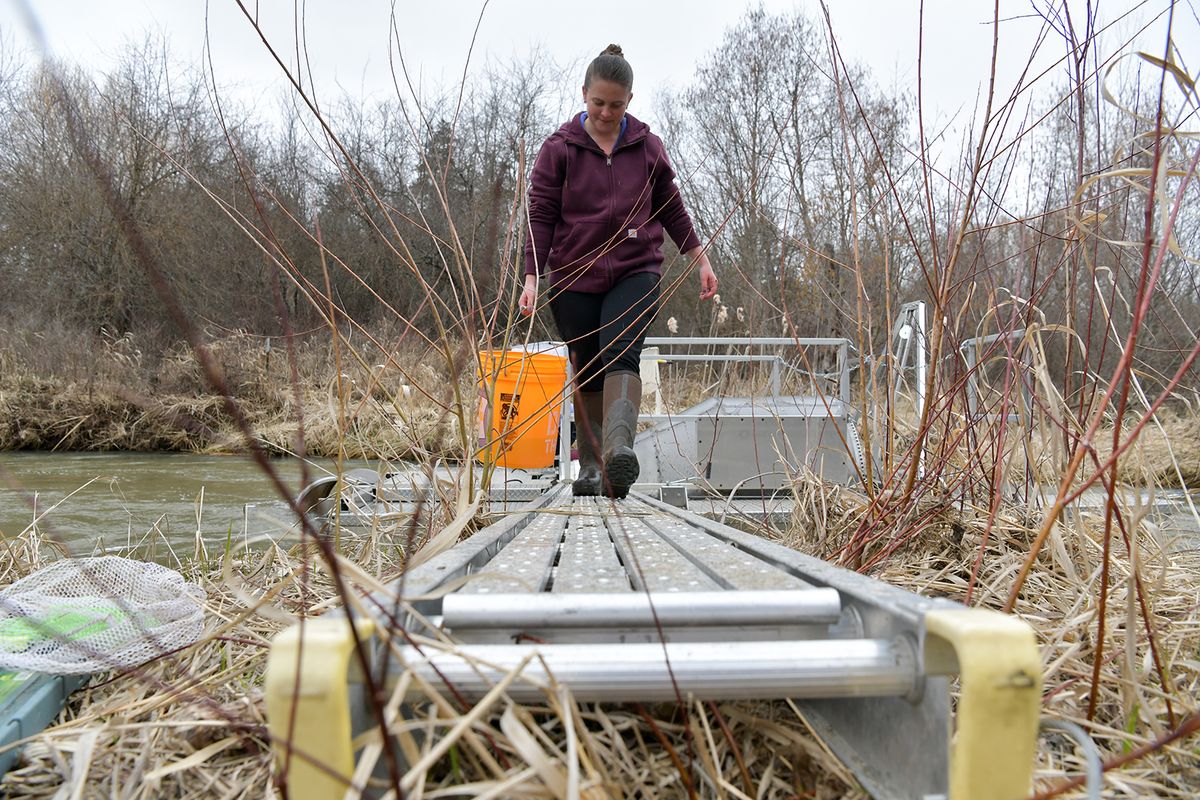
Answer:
(192, 725)
(951, 550)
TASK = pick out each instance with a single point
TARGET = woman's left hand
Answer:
(708, 281)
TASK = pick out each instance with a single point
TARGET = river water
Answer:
(125, 499)
(138, 499)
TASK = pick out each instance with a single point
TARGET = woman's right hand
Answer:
(528, 295)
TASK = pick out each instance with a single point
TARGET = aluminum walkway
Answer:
(637, 600)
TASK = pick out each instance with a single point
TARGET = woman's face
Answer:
(606, 102)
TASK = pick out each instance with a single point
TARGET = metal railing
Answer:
(912, 349)
(842, 344)
(777, 361)
(976, 352)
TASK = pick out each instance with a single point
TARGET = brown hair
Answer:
(610, 65)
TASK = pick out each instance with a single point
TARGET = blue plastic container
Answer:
(29, 701)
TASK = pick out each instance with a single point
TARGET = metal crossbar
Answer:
(842, 344)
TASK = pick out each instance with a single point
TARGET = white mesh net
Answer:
(85, 615)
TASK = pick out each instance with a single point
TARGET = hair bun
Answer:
(610, 65)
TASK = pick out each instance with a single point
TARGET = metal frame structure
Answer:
(613, 592)
(913, 350)
(777, 362)
(738, 446)
(971, 350)
(842, 344)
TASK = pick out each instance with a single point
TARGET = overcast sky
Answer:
(664, 39)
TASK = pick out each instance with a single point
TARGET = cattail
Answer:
(722, 315)
(717, 299)
(673, 325)
(741, 314)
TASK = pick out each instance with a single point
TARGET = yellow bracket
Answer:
(308, 705)
(1000, 671)
(994, 655)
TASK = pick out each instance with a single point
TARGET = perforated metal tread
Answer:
(597, 544)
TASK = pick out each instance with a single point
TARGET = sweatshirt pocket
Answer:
(586, 245)
(635, 237)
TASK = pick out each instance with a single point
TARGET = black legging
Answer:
(604, 332)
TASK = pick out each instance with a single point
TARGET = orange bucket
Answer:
(520, 404)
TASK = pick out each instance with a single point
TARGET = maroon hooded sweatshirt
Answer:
(595, 219)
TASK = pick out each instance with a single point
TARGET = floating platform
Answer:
(751, 446)
(729, 458)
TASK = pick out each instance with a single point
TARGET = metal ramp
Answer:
(638, 600)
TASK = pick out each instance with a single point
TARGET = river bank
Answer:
(121, 401)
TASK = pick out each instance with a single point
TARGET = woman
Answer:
(601, 193)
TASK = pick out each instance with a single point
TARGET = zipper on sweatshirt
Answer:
(612, 212)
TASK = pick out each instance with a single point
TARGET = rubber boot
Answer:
(589, 415)
(622, 401)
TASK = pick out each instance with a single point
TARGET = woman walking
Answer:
(601, 193)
